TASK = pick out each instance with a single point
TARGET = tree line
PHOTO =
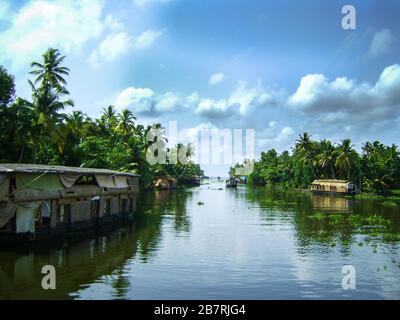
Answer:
(375, 170)
(40, 131)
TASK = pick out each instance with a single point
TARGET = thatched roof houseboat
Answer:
(333, 186)
(39, 201)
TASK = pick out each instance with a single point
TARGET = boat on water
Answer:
(41, 201)
(333, 187)
(231, 183)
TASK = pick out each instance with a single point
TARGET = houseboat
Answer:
(38, 201)
(231, 183)
(333, 187)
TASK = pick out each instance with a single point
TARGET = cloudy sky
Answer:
(278, 67)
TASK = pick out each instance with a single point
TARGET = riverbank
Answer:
(390, 200)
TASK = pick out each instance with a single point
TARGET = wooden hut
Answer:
(333, 187)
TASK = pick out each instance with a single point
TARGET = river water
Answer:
(215, 243)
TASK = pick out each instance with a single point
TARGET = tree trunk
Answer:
(333, 172)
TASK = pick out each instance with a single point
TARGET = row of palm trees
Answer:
(44, 133)
(326, 156)
(376, 169)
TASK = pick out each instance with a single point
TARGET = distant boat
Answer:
(333, 187)
(231, 183)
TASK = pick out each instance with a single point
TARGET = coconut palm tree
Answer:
(109, 117)
(50, 70)
(304, 142)
(345, 156)
(47, 102)
(326, 158)
(126, 121)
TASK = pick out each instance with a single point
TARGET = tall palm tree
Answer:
(47, 102)
(126, 121)
(305, 147)
(50, 70)
(109, 117)
(304, 142)
(345, 156)
(326, 158)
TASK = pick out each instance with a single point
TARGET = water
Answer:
(215, 243)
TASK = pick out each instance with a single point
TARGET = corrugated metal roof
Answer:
(38, 168)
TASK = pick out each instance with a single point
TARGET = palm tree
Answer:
(126, 121)
(326, 159)
(306, 148)
(109, 117)
(46, 117)
(304, 142)
(50, 70)
(345, 156)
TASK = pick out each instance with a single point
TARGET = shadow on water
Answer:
(81, 262)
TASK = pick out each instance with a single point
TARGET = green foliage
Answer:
(39, 131)
(377, 168)
(7, 87)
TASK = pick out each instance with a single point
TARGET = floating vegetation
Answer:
(389, 204)
(318, 215)
(354, 220)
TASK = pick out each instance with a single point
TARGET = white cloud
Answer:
(243, 100)
(145, 3)
(67, 25)
(272, 137)
(381, 43)
(348, 100)
(111, 48)
(139, 100)
(216, 79)
(146, 101)
(118, 44)
(147, 38)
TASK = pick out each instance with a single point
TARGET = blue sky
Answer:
(278, 67)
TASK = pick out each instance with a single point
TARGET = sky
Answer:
(278, 67)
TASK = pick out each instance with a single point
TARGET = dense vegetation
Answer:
(39, 131)
(376, 169)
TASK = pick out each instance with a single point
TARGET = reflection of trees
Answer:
(152, 208)
(76, 264)
(101, 255)
(327, 220)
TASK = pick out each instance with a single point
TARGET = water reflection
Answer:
(209, 242)
(327, 219)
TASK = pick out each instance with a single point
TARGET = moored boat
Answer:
(39, 201)
(231, 183)
(333, 187)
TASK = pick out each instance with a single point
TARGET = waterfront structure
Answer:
(333, 186)
(39, 201)
(231, 183)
